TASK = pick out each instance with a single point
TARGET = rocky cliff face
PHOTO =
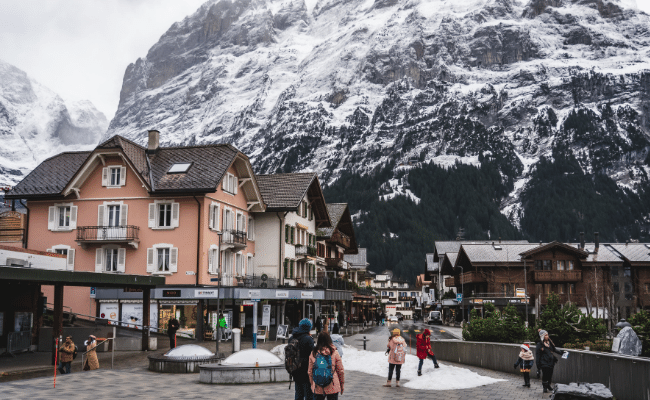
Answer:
(333, 85)
(35, 123)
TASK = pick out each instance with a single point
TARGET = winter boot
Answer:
(388, 384)
(544, 384)
(419, 373)
(437, 366)
(396, 383)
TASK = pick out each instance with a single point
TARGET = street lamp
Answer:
(218, 292)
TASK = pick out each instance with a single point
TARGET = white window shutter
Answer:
(151, 260)
(105, 177)
(173, 259)
(152, 215)
(100, 215)
(121, 259)
(99, 254)
(124, 212)
(71, 259)
(234, 184)
(211, 217)
(73, 217)
(224, 184)
(51, 219)
(216, 217)
(211, 260)
(224, 219)
(175, 214)
(123, 176)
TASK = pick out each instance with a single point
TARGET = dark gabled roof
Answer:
(490, 253)
(453, 246)
(49, 177)
(358, 260)
(135, 153)
(209, 164)
(632, 252)
(342, 221)
(283, 192)
(335, 210)
(555, 244)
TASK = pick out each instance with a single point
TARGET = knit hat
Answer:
(396, 331)
(525, 347)
(305, 324)
(542, 333)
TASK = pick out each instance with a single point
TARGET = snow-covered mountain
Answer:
(333, 85)
(36, 123)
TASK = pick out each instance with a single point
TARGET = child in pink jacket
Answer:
(396, 350)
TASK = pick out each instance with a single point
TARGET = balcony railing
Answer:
(558, 276)
(11, 235)
(471, 277)
(335, 283)
(365, 291)
(125, 233)
(258, 281)
(450, 281)
(234, 237)
(340, 239)
(304, 251)
(335, 263)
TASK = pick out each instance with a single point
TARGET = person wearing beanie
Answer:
(305, 347)
(396, 351)
(545, 359)
(525, 361)
(423, 345)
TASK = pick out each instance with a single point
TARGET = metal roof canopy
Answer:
(77, 278)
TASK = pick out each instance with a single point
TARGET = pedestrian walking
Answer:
(396, 351)
(525, 361)
(318, 324)
(424, 351)
(305, 347)
(337, 339)
(91, 362)
(325, 371)
(545, 359)
(221, 326)
(172, 327)
(67, 353)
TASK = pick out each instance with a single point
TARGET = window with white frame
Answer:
(228, 219)
(241, 222)
(110, 258)
(226, 263)
(251, 228)
(66, 251)
(62, 217)
(213, 219)
(239, 264)
(230, 183)
(164, 214)
(162, 259)
(213, 259)
(250, 265)
(114, 176)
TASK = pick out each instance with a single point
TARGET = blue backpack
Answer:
(322, 371)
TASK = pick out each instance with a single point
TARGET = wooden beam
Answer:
(244, 180)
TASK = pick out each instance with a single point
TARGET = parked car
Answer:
(434, 317)
(393, 319)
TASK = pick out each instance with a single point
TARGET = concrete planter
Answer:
(160, 363)
(228, 374)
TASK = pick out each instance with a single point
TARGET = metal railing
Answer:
(335, 283)
(234, 237)
(19, 341)
(107, 233)
(302, 250)
(258, 281)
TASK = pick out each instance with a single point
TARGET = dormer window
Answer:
(179, 168)
(114, 176)
(230, 183)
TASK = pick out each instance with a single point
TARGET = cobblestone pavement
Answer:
(137, 382)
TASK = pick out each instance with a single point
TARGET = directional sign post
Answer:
(459, 297)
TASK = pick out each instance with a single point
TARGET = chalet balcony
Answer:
(471, 277)
(451, 281)
(335, 264)
(108, 234)
(557, 276)
(405, 298)
(233, 238)
(303, 251)
(341, 239)
(12, 235)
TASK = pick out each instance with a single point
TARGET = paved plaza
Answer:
(135, 381)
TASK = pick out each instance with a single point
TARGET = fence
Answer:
(19, 341)
(627, 377)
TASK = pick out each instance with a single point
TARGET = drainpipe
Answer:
(198, 240)
(26, 224)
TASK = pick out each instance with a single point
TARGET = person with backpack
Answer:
(424, 351)
(325, 371)
(396, 351)
(296, 359)
(67, 353)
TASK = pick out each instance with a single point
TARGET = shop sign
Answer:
(171, 293)
(520, 293)
(255, 294)
(518, 301)
(477, 301)
(282, 294)
(306, 295)
(266, 315)
(203, 293)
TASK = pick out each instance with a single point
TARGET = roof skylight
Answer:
(179, 168)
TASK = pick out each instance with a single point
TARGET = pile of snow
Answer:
(444, 378)
(189, 350)
(252, 356)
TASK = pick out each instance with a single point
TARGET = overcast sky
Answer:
(81, 48)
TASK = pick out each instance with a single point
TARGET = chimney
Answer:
(582, 240)
(596, 242)
(154, 141)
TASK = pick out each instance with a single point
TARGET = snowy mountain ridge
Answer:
(36, 123)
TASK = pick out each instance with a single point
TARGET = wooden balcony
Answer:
(558, 276)
(335, 264)
(341, 239)
(451, 281)
(471, 277)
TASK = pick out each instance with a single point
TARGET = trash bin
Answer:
(236, 340)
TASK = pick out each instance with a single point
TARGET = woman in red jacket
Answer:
(424, 350)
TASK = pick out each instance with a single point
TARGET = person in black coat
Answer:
(305, 347)
(172, 327)
(545, 359)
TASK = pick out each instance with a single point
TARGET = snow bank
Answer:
(444, 378)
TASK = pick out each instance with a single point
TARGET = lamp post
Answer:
(218, 292)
